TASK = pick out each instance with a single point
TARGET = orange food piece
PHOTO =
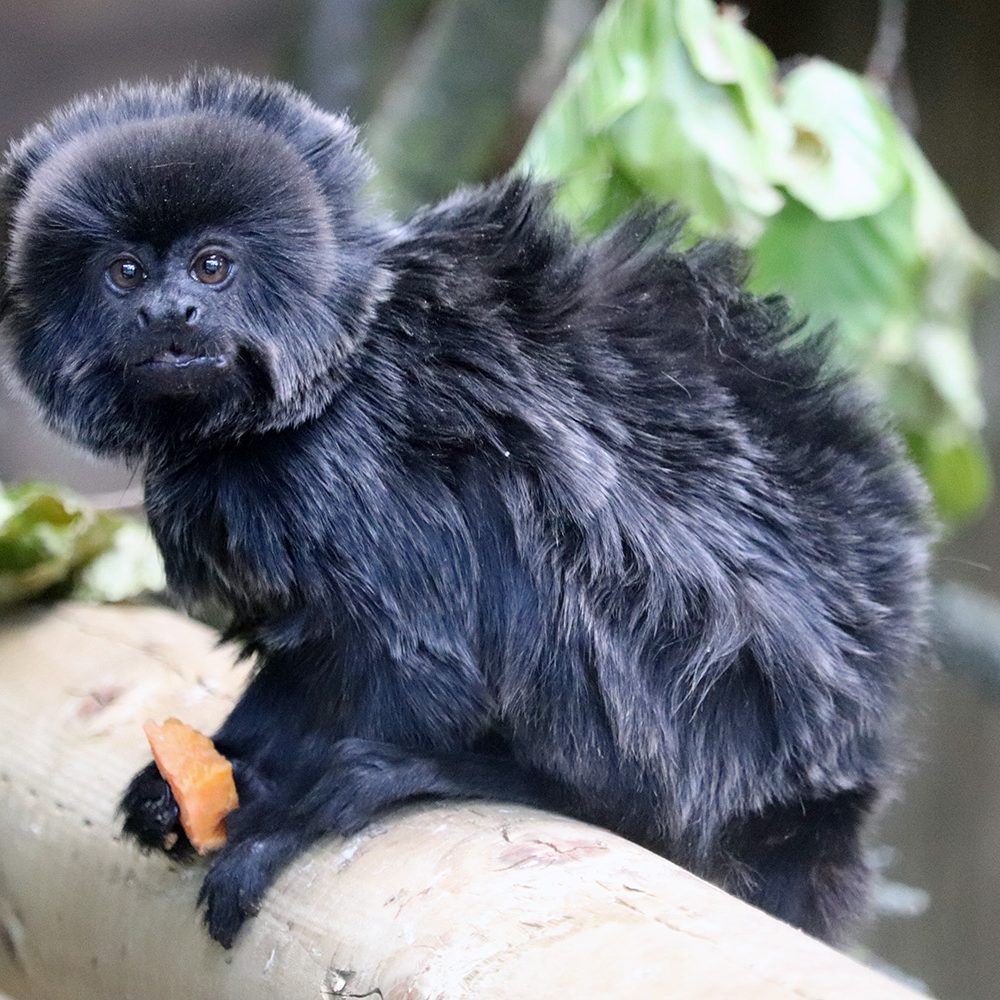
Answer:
(200, 778)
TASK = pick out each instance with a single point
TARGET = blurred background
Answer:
(493, 68)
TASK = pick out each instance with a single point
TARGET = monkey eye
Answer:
(126, 272)
(210, 267)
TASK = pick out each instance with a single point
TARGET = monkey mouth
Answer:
(180, 360)
(178, 373)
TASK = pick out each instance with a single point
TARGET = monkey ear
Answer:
(325, 132)
(329, 145)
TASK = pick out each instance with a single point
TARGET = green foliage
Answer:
(51, 541)
(675, 100)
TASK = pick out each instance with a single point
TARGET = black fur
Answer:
(498, 513)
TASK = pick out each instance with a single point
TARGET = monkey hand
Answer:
(151, 815)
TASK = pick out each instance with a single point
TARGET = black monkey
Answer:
(498, 512)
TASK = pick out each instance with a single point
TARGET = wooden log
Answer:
(440, 902)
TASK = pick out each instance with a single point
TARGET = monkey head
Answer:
(184, 260)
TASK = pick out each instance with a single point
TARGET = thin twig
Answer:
(886, 67)
(966, 634)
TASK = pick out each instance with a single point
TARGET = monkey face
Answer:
(189, 274)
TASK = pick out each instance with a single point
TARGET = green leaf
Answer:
(48, 537)
(947, 356)
(958, 473)
(719, 47)
(846, 159)
(130, 566)
(635, 111)
(940, 229)
(859, 273)
(723, 52)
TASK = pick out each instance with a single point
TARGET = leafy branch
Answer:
(813, 173)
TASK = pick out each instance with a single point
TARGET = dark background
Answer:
(945, 833)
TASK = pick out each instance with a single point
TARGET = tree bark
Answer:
(440, 902)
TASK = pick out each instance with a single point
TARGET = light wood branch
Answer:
(445, 901)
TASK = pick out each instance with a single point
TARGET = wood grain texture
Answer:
(440, 902)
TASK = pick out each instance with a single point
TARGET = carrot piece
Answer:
(200, 778)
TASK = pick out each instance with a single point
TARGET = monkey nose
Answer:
(168, 313)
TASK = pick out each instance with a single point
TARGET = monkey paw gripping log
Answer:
(451, 902)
